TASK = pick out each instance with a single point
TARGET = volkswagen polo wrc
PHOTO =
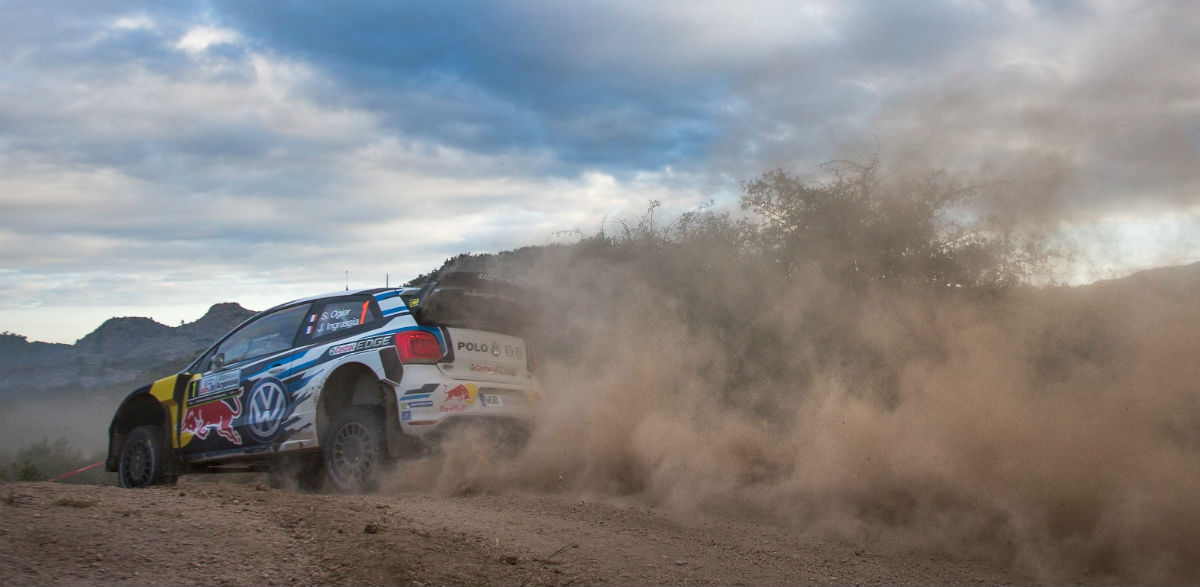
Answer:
(330, 388)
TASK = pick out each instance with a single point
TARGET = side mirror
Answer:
(218, 361)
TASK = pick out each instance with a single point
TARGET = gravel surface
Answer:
(217, 533)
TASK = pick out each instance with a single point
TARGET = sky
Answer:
(157, 158)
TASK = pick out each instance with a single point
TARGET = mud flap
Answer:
(399, 444)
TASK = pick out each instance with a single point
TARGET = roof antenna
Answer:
(347, 280)
(387, 280)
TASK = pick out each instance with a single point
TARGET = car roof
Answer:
(335, 294)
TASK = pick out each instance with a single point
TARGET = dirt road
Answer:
(216, 533)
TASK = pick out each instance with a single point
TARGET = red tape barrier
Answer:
(77, 471)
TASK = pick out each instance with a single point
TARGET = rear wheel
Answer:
(143, 458)
(355, 449)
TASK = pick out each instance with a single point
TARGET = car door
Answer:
(237, 403)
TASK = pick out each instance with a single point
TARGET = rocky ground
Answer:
(201, 532)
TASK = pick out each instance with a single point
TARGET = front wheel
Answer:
(355, 449)
(143, 458)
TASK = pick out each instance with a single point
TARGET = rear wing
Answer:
(479, 301)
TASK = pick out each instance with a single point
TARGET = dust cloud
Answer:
(82, 418)
(1057, 428)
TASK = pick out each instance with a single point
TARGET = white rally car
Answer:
(329, 388)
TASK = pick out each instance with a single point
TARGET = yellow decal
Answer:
(163, 390)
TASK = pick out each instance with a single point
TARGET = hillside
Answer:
(119, 350)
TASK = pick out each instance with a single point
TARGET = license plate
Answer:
(504, 400)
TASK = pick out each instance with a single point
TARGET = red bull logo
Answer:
(458, 398)
(459, 393)
(217, 415)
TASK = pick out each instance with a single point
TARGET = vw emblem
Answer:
(268, 404)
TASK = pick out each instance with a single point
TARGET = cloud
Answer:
(134, 22)
(200, 38)
(251, 136)
(494, 79)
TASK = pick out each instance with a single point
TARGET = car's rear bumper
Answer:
(428, 400)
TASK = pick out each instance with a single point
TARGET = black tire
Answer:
(355, 449)
(143, 459)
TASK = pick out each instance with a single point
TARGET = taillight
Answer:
(418, 346)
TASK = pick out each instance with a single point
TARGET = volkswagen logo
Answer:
(268, 404)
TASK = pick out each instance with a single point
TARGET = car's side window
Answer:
(339, 316)
(270, 334)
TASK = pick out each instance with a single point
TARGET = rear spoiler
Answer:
(467, 299)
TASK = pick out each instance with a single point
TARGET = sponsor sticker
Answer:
(341, 349)
(459, 397)
(498, 369)
(215, 384)
(360, 345)
(217, 416)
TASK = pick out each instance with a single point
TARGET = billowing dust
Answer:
(1058, 428)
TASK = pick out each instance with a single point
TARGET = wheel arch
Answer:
(356, 384)
(137, 409)
(350, 384)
